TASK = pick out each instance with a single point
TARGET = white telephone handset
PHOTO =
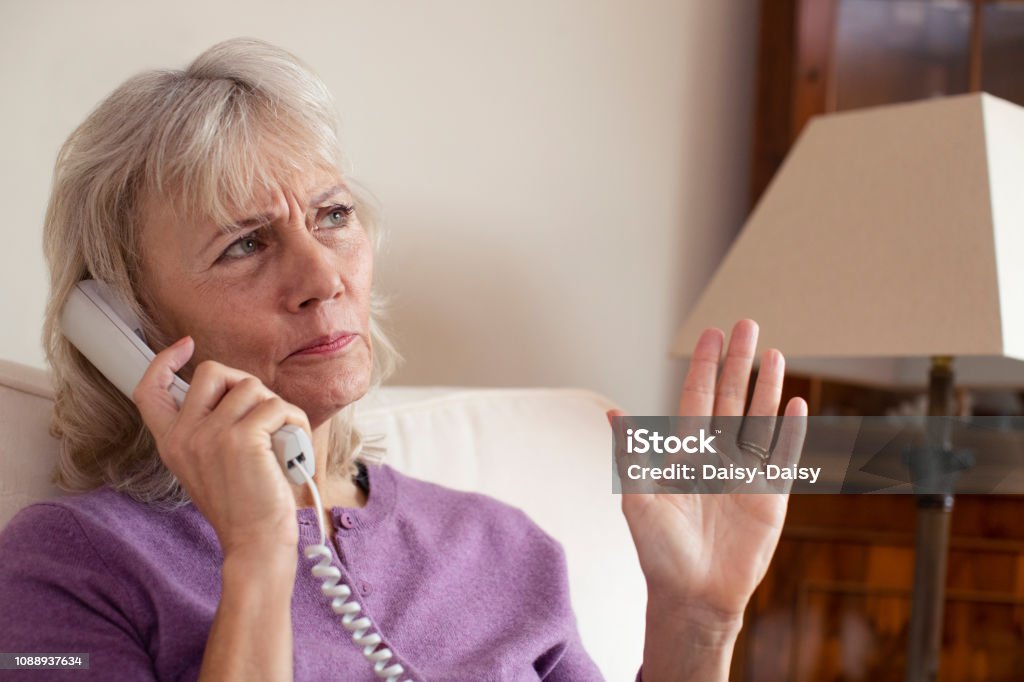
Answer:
(110, 336)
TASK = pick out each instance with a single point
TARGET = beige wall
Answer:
(557, 178)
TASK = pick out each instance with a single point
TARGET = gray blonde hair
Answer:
(197, 137)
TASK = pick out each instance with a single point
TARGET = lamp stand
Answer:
(931, 541)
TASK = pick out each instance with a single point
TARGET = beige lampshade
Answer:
(889, 235)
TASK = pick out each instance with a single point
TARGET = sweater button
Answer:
(347, 521)
(365, 588)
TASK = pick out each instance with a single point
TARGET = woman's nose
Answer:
(312, 271)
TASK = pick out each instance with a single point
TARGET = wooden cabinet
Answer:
(818, 56)
(835, 604)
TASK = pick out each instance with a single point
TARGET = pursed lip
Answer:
(323, 340)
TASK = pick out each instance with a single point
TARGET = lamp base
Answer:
(931, 543)
(931, 547)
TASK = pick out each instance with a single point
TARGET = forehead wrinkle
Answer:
(267, 217)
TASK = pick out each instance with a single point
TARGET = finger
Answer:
(273, 413)
(731, 396)
(698, 397)
(210, 383)
(759, 423)
(791, 436)
(768, 388)
(620, 422)
(155, 402)
(238, 402)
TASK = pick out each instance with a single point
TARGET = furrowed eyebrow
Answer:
(248, 224)
(265, 218)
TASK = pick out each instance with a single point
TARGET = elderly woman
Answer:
(211, 202)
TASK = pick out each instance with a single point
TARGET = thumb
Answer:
(618, 443)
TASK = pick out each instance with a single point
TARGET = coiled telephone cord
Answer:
(338, 592)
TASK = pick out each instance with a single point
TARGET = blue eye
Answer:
(334, 216)
(244, 246)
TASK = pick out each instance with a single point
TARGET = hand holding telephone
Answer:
(110, 336)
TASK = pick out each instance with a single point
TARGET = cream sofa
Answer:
(544, 450)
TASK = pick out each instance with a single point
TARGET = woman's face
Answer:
(299, 270)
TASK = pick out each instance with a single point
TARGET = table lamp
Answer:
(889, 243)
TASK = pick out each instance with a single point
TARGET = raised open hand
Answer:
(704, 554)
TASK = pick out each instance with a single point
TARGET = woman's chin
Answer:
(324, 402)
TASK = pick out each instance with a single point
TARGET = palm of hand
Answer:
(708, 552)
